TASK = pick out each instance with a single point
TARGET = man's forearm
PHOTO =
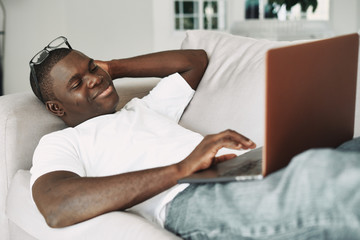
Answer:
(191, 64)
(74, 199)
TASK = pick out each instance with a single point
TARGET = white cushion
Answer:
(232, 91)
(114, 225)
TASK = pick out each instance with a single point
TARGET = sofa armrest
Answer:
(23, 120)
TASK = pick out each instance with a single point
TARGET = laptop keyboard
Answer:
(248, 168)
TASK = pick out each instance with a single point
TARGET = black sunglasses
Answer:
(42, 55)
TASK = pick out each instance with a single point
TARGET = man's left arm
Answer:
(190, 64)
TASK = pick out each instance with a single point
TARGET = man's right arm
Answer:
(190, 64)
(64, 198)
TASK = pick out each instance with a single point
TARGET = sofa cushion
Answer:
(232, 91)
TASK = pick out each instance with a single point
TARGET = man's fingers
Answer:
(104, 65)
(232, 139)
(223, 158)
(204, 154)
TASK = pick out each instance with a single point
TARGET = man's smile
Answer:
(103, 92)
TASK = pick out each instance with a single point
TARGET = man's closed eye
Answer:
(76, 84)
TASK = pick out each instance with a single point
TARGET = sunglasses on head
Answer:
(42, 55)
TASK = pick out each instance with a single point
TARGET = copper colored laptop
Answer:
(310, 103)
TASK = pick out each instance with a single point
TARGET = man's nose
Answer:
(93, 80)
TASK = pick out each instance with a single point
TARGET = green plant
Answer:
(305, 4)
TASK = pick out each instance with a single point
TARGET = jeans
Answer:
(317, 196)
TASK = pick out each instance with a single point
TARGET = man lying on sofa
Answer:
(132, 159)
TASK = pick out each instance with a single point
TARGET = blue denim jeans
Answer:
(317, 196)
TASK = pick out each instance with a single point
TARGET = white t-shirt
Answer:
(144, 134)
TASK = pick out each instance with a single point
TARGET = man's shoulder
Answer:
(68, 132)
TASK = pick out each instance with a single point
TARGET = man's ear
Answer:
(55, 108)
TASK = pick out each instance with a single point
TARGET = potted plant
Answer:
(304, 4)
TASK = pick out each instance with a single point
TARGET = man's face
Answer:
(82, 89)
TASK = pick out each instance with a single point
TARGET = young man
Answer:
(108, 161)
(132, 159)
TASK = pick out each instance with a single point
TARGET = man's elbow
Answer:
(198, 64)
(203, 59)
(55, 216)
(56, 220)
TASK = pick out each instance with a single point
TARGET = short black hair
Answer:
(42, 71)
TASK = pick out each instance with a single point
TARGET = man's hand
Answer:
(105, 65)
(204, 155)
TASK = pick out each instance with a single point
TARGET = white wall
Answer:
(344, 16)
(111, 29)
(101, 29)
(165, 37)
(25, 34)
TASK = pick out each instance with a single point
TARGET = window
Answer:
(199, 14)
(286, 20)
(287, 9)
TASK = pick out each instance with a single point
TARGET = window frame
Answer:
(199, 16)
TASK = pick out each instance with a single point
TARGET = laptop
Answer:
(310, 103)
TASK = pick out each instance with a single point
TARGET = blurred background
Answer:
(111, 29)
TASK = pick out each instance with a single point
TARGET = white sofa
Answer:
(233, 85)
